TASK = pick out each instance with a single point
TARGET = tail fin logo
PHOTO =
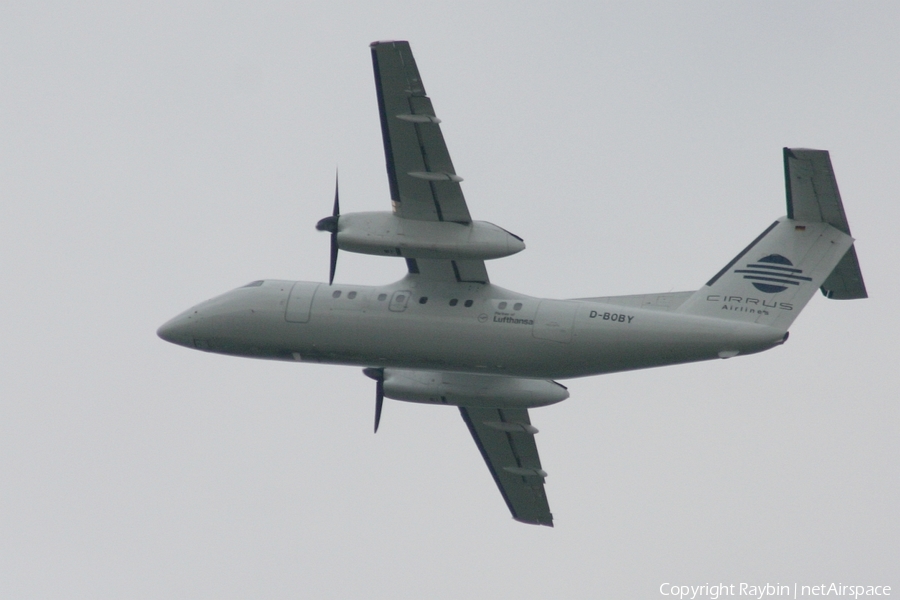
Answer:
(772, 274)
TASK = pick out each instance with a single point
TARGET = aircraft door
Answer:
(300, 302)
(399, 300)
(555, 320)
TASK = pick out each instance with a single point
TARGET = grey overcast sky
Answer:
(153, 155)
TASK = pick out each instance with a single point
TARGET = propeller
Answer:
(378, 376)
(330, 224)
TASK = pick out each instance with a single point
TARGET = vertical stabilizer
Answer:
(775, 276)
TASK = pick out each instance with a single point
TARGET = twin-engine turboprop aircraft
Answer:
(444, 334)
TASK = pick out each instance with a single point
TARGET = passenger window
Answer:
(401, 299)
(351, 295)
(423, 299)
(336, 294)
(454, 302)
(502, 305)
(468, 303)
(382, 297)
(517, 306)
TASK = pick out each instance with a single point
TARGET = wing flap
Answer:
(505, 439)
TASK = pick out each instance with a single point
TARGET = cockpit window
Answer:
(254, 283)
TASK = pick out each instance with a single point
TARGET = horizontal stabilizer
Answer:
(846, 281)
(812, 191)
(813, 196)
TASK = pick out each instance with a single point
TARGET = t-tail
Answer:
(774, 277)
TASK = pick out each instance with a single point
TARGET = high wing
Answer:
(505, 438)
(424, 185)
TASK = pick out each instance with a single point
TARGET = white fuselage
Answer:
(468, 328)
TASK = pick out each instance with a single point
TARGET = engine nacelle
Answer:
(385, 234)
(462, 389)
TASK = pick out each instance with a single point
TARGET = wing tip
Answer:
(384, 42)
(547, 523)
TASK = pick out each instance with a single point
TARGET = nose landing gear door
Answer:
(300, 302)
(399, 300)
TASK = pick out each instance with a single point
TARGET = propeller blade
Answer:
(379, 401)
(330, 224)
(378, 375)
(334, 253)
(336, 211)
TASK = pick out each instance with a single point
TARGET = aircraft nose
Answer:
(177, 331)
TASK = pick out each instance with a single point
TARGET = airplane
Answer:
(445, 334)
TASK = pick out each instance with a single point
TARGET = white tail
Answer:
(776, 275)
